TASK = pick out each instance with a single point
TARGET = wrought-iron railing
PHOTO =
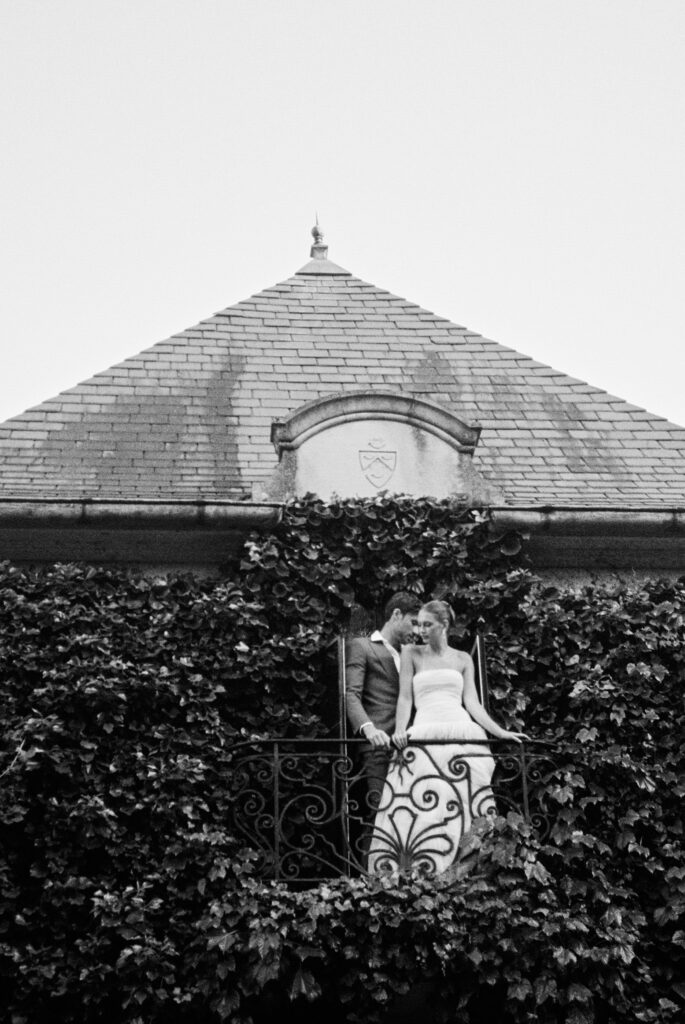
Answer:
(304, 805)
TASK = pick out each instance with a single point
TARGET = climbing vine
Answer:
(125, 897)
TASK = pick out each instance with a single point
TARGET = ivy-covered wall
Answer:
(123, 895)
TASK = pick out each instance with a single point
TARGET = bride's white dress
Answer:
(432, 793)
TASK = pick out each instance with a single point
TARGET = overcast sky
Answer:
(515, 165)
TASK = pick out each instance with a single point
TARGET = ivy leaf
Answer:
(578, 993)
(520, 990)
(564, 957)
(511, 544)
(545, 988)
(304, 985)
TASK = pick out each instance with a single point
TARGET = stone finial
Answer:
(318, 251)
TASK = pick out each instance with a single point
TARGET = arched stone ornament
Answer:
(359, 444)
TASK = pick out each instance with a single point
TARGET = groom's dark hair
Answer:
(404, 601)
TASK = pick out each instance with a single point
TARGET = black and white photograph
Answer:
(342, 512)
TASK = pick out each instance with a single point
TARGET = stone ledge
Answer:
(601, 538)
(150, 512)
(160, 534)
(202, 535)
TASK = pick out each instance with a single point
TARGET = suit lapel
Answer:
(385, 660)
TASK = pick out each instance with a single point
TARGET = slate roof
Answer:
(190, 417)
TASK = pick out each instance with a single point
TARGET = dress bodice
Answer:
(437, 688)
(440, 712)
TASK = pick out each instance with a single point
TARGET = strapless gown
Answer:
(431, 794)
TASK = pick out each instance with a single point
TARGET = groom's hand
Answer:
(376, 737)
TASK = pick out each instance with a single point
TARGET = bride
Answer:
(433, 792)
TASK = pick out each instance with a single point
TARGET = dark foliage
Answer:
(123, 895)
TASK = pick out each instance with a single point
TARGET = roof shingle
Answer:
(190, 417)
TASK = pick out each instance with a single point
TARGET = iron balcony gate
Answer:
(302, 805)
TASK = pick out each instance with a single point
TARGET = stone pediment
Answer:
(362, 443)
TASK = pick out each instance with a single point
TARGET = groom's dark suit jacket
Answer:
(372, 684)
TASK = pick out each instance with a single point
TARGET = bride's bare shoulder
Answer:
(463, 658)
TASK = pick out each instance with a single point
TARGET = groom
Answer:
(372, 679)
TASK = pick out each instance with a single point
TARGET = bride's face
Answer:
(430, 629)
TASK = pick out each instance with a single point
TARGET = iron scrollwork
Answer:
(303, 805)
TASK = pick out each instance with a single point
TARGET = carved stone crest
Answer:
(378, 463)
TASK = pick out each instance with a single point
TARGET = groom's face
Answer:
(405, 629)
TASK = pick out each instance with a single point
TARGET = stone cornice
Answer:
(92, 511)
(199, 534)
(599, 538)
(152, 534)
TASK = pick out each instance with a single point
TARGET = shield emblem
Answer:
(378, 466)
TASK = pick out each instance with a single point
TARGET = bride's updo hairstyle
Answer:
(440, 611)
